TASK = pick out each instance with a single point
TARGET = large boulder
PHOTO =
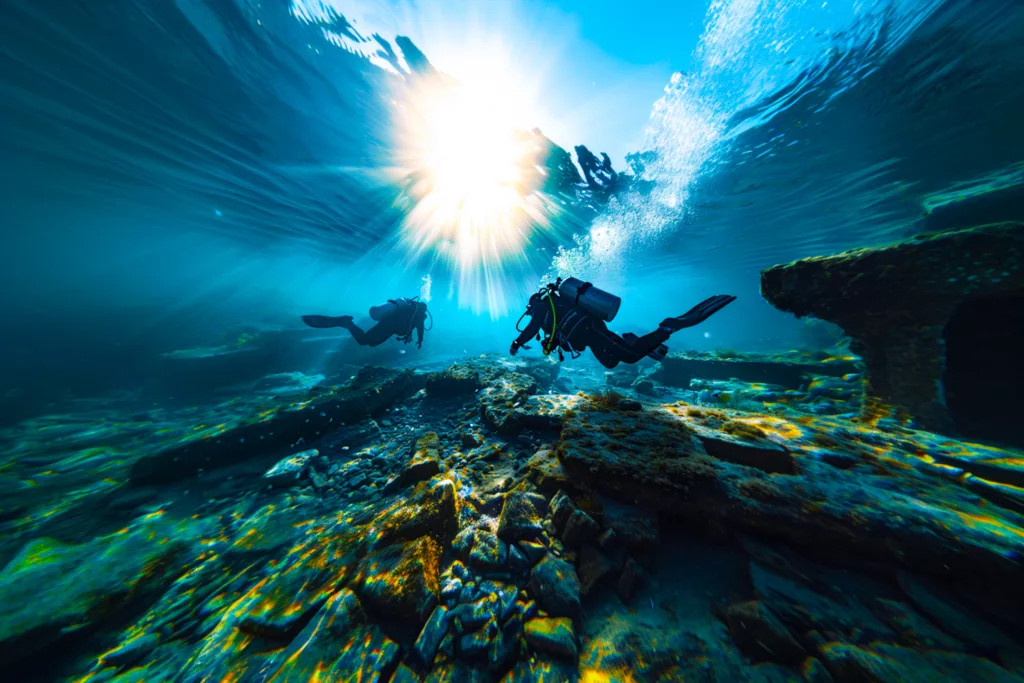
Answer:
(938, 320)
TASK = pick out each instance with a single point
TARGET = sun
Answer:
(471, 172)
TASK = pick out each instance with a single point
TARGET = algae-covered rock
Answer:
(554, 636)
(424, 463)
(919, 314)
(521, 516)
(372, 390)
(556, 587)
(51, 588)
(338, 644)
(401, 581)
(852, 664)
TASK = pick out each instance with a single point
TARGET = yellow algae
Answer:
(991, 524)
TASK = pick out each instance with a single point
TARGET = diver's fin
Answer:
(659, 353)
(325, 321)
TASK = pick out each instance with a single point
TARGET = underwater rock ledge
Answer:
(937, 320)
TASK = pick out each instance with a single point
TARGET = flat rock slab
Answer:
(850, 664)
(677, 369)
(278, 427)
(656, 459)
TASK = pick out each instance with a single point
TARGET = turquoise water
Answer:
(173, 170)
(182, 180)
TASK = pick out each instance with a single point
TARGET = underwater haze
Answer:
(291, 388)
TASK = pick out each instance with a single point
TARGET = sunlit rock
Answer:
(73, 587)
(402, 580)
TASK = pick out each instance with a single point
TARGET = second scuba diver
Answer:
(397, 317)
(573, 313)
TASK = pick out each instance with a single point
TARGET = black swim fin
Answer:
(326, 321)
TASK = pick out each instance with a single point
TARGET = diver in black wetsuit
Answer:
(573, 316)
(398, 317)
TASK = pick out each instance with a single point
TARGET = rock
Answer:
(289, 470)
(1004, 495)
(521, 516)
(430, 637)
(267, 530)
(678, 369)
(802, 608)
(628, 580)
(73, 587)
(505, 647)
(841, 513)
(476, 644)
(913, 629)
(471, 441)
(593, 568)
(952, 618)
(554, 636)
(404, 674)
(852, 664)
(130, 652)
(458, 380)
(488, 553)
(534, 551)
(337, 644)
(642, 386)
(317, 479)
(561, 509)
(621, 377)
(471, 616)
(518, 562)
(917, 314)
(372, 390)
(544, 472)
(630, 404)
(432, 510)
(579, 529)
(424, 464)
(401, 581)
(815, 672)
(744, 444)
(760, 635)
(541, 670)
(635, 527)
(554, 584)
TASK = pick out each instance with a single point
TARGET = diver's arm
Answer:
(529, 333)
(419, 333)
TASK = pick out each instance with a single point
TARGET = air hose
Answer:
(550, 345)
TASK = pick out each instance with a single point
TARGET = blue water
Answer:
(195, 486)
(172, 171)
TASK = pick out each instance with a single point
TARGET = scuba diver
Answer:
(573, 314)
(397, 317)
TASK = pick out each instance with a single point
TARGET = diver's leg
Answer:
(375, 336)
(610, 349)
(326, 321)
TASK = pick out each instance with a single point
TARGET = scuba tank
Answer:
(594, 301)
(378, 313)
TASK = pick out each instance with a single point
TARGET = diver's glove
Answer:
(419, 344)
(515, 348)
(699, 313)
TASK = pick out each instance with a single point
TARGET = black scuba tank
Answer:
(594, 301)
